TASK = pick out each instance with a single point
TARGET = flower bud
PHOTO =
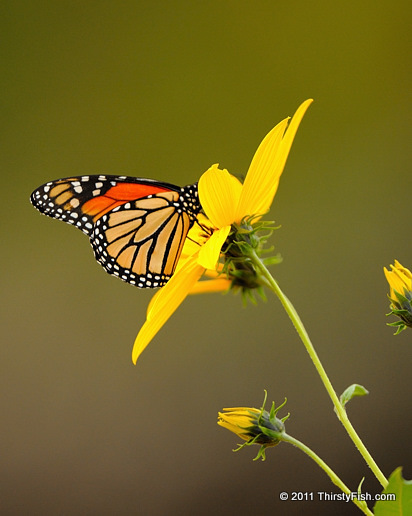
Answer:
(256, 426)
(400, 283)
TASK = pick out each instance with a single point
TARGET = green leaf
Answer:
(402, 489)
(352, 391)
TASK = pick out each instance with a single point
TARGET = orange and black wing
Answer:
(141, 241)
(137, 227)
(82, 200)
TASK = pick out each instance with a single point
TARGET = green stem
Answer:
(341, 412)
(331, 474)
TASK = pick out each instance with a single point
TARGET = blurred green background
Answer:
(164, 90)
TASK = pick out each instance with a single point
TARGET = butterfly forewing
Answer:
(82, 200)
(137, 227)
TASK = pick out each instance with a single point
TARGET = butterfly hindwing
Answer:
(141, 241)
(136, 227)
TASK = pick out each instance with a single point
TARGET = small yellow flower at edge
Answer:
(399, 279)
(225, 201)
(400, 283)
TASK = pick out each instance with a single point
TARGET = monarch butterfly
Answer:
(136, 227)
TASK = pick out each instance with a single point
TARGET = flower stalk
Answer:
(265, 429)
(331, 474)
(339, 409)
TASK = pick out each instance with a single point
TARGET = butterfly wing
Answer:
(136, 227)
(141, 241)
(82, 200)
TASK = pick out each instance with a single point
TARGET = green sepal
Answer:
(274, 435)
(401, 307)
(274, 411)
(402, 489)
(404, 323)
(245, 241)
(247, 295)
(350, 392)
(400, 324)
(399, 312)
(261, 454)
(401, 297)
(261, 293)
(272, 260)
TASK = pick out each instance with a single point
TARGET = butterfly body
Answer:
(136, 227)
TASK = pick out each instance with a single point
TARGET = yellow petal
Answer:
(394, 283)
(404, 273)
(153, 301)
(262, 175)
(243, 410)
(243, 434)
(214, 274)
(207, 286)
(166, 301)
(238, 422)
(210, 251)
(219, 194)
(267, 165)
(291, 132)
(399, 278)
(190, 247)
(197, 236)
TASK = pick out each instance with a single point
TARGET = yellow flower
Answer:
(254, 426)
(399, 279)
(225, 201)
(400, 283)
